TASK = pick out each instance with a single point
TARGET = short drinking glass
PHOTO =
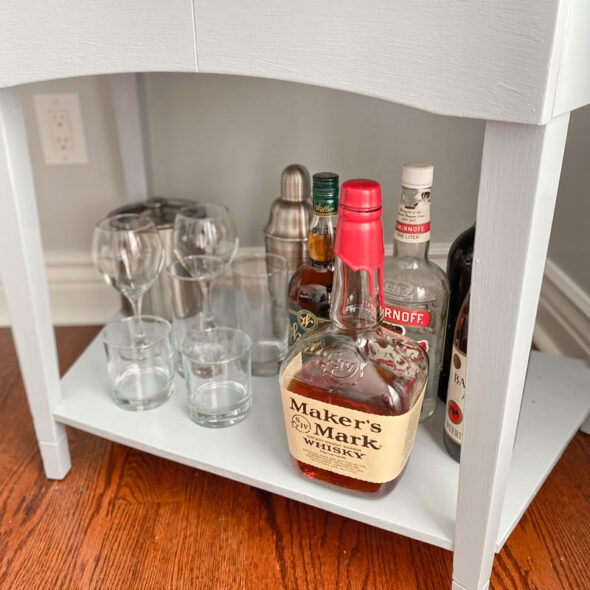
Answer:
(140, 361)
(217, 372)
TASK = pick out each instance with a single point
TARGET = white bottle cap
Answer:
(417, 175)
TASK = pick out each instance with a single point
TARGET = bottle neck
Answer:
(406, 250)
(320, 241)
(411, 238)
(356, 297)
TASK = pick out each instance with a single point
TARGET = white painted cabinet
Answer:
(521, 66)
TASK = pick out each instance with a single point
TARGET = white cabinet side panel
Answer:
(573, 85)
(46, 40)
(480, 59)
(519, 179)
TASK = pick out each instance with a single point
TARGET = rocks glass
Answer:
(217, 372)
(139, 359)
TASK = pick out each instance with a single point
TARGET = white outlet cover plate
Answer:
(59, 120)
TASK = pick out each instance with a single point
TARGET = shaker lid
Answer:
(295, 184)
(160, 210)
(291, 213)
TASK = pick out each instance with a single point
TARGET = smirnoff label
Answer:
(419, 318)
(398, 319)
(362, 445)
(413, 221)
(455, 396)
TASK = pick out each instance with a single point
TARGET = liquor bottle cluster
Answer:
(352, 390)
(367, 336)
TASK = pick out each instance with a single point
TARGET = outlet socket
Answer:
(60, 127)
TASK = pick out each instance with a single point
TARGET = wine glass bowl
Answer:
(205, 229)
(128, 253)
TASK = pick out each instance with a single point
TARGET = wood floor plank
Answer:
(123, 519)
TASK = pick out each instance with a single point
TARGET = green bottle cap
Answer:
(325, 193)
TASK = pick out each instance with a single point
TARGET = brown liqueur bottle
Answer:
(459, 264)
(453, 432)
(352, 390)
(310, 288)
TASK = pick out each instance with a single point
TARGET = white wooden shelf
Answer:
(423, 505)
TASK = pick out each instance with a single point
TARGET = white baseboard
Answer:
(79, 296)
(563, 317)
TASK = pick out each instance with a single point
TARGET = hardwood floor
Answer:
(123, 519)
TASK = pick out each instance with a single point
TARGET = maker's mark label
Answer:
(357, 444)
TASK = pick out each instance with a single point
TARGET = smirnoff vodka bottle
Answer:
(416, 291)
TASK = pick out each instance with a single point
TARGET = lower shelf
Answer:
(423, 505)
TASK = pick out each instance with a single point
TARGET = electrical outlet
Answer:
(60, 127)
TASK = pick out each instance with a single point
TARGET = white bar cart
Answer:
(521, 66)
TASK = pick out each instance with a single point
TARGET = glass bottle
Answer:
(310, 288)
(416, 290)
(352, 390)
(459, 263)
(453, 432)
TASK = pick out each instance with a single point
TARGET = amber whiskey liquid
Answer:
(310, 382)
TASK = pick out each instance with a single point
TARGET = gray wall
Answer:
(227, 139)
(570, 236)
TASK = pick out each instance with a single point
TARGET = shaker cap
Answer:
(295, 184)
(416, 175)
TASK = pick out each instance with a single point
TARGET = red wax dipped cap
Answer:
(359, 233)
(360, 194)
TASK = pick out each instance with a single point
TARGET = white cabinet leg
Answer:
(520, 172)
(23, 276)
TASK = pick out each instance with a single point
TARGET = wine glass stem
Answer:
(135, 303)
(207, 314)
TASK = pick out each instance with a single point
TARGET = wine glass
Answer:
(190, 284)
(205, 229)
(128, 252)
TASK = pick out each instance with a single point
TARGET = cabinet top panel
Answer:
(64, 38)
(488, 59)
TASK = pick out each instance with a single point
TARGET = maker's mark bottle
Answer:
(352, 390)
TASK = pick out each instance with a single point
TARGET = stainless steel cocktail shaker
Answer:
(290, 215)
